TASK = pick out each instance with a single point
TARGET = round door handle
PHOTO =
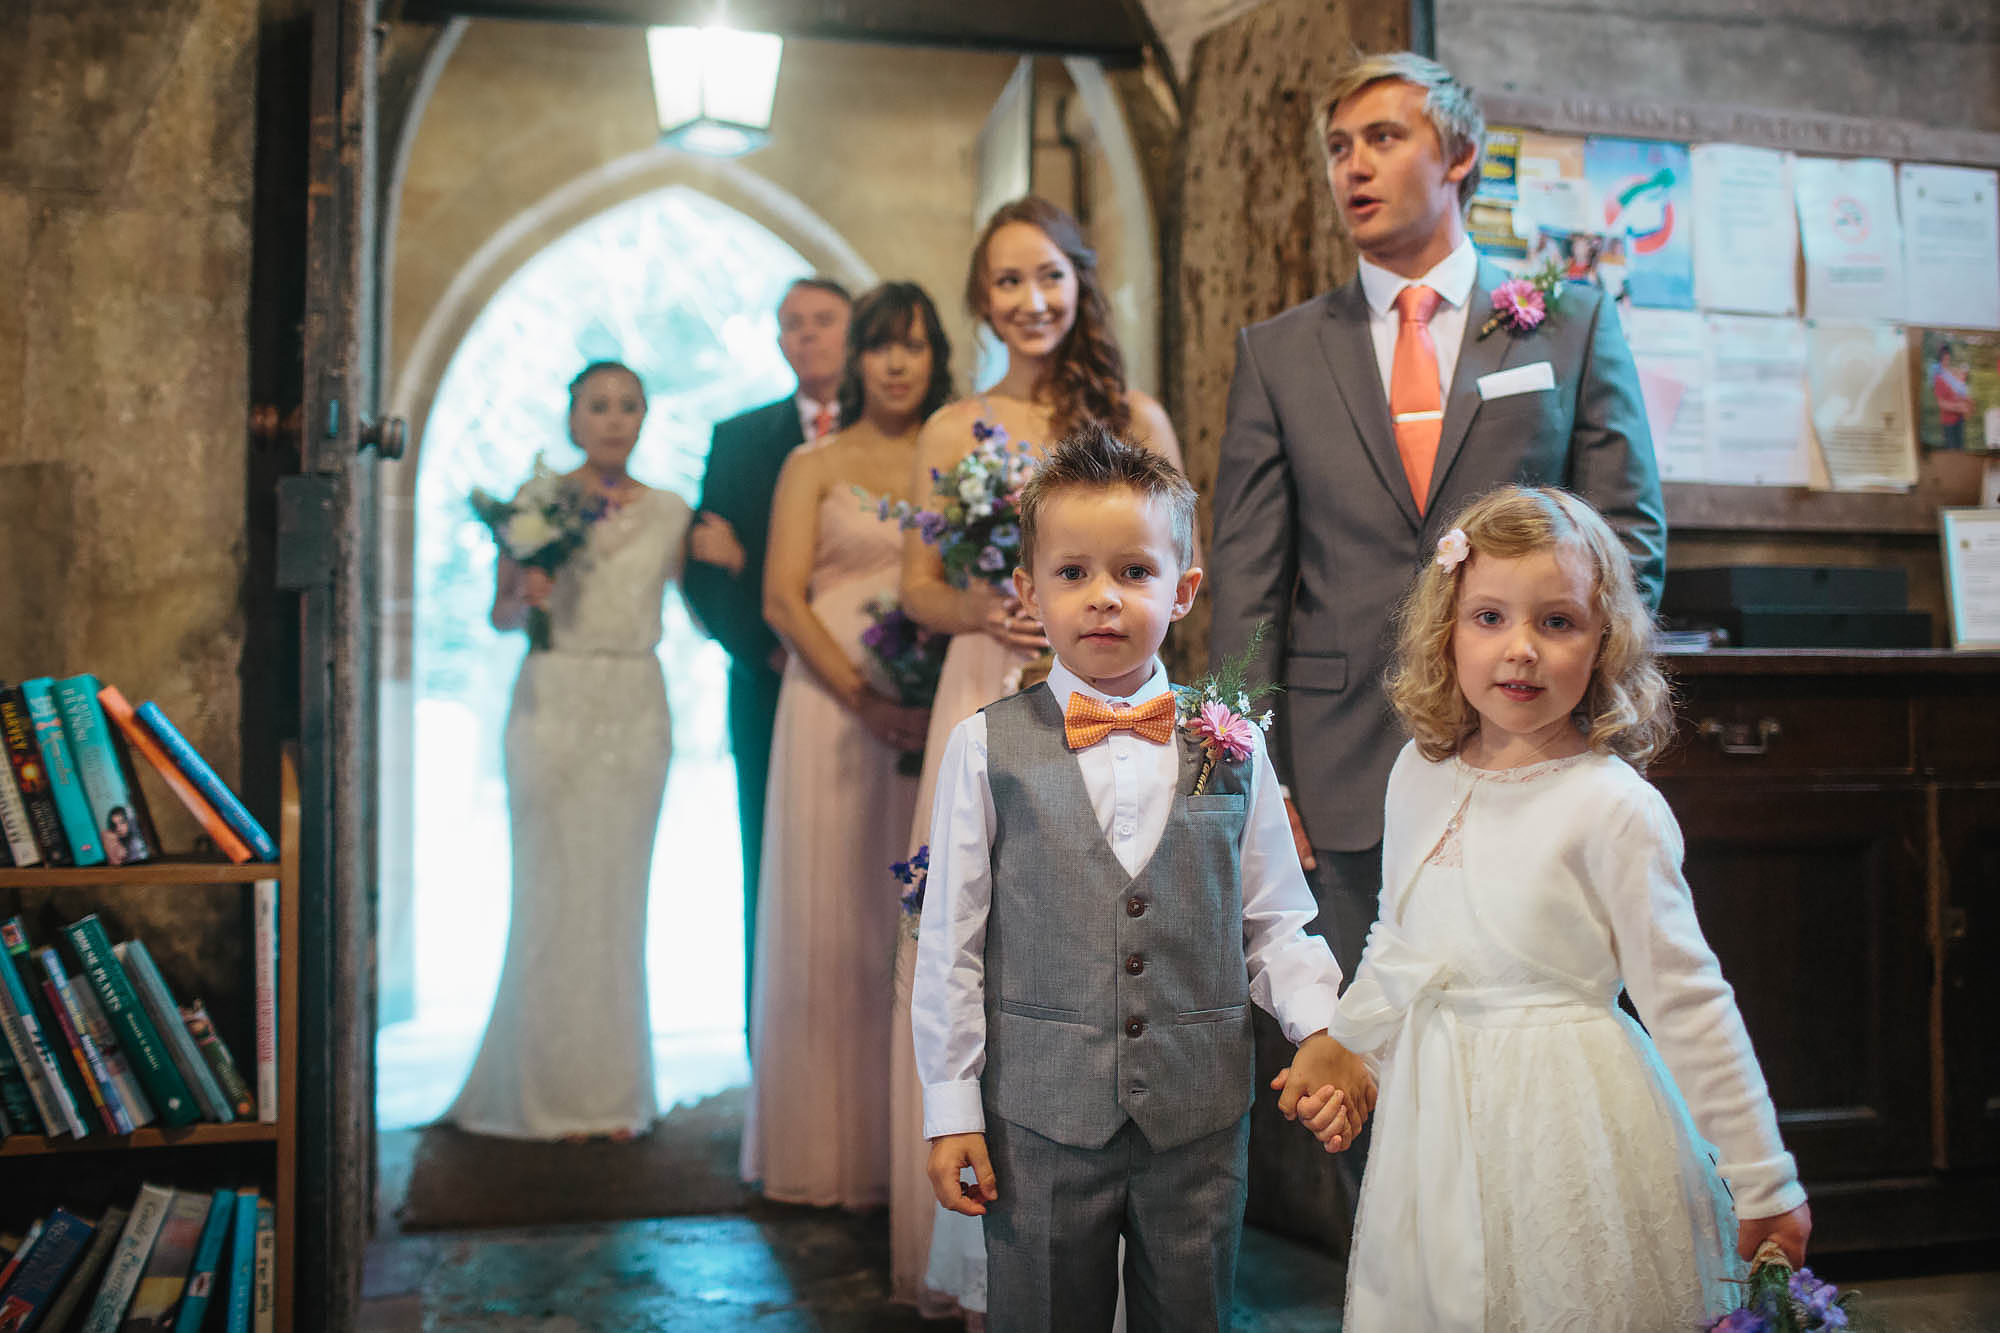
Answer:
(386, 437)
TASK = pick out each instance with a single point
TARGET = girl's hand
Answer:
(534, 588)
(1789, 1230)
(1009, 622)
(713, 541)
(891, 723)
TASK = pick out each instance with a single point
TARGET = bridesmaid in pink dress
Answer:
(838, 813)
(1034, 282)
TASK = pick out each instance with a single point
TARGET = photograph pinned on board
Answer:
(1590, 257)
(1958, 391)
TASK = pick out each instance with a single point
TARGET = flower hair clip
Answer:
(1452, 548)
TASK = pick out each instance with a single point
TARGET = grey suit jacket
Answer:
(1316, 531)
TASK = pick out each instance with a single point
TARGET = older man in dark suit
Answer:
(744, 456)
(1359, 423)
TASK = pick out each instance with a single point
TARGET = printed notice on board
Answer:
(1860, 378)
(1746, 230)
(1667, 349)
(1852, 241)
(1756, 397)
(1951, 246)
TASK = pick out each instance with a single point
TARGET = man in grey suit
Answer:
(1326, 504)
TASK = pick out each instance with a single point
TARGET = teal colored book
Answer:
(166, 1015)
(207, 1259)
(17, 1101)
(207, 781)
(72, 806)
(144, 1047)
(21, 1048)
(242, 1262)
(45, 1038)
(103, 776)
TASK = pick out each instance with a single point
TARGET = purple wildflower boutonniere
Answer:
(1215, 712)
(1522, 305)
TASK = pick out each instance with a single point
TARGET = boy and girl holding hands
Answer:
(1102, 911)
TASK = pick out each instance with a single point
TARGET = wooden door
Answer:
(1969, 983)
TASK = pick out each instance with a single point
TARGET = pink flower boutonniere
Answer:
(1215, 711)
(1520, 305)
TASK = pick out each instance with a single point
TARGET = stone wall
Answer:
(125, 185)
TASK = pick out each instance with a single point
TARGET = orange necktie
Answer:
(1087, 721)
(1416, 405)
(823, 422)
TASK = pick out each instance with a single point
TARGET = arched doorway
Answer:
(684, 288)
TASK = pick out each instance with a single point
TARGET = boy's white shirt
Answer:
(1131, 782)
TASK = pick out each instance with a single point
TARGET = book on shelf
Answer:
(165, 1012)
(27, 1295)
(103, 776)
(263, 1295)
(242, 1263)
(215, 1054)
(20, 1042)
(31, 778)
(17, 1102)
(113, 1051)
(90, 1070)
(72, 806)
(126, 719)
(264, 926)
(128, 1261)
(207, 1258)
(144, 1047)
(19, 1252)
(16, 833)
(207, 781)
(82, 1280)
(60, 1113)
(165, 1276)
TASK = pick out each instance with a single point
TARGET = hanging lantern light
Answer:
(713, 87)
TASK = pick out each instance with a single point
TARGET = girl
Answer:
(1034, 282)
(1534, 1165)
(836, 813)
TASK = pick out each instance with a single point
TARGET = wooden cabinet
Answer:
(37, 1173)
(1842, 816)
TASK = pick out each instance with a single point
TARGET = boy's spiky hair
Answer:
(1092, 458)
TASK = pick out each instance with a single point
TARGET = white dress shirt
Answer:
(1131, 782)
(1452, 280)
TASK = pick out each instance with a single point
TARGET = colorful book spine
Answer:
(166, 1015)
(17, 1100)
(172, 1101)
(166, 1273)
(64, 1239)
(264, 1303)
(61, 1113)
(91, 1073)
(32, 778)
(207, 1258)
(264, 923)
(122, 1077)
(242, 1262)
(83, 1280)
(218, 1059)
(15, 830)
(20, 1254)
(79, 825)
(128, 1261)
(97, 765)
(208, 781)
(46, 1120)
(121, 713)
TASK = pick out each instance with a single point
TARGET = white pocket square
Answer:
(1521, 379)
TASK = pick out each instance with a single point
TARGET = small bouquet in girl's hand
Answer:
(910, 657)
(540, 528)
(1215, 710)
(1777, 1300)
(978, 530)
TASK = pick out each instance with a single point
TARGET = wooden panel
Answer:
(1969, 935)
(1958, 728)
(1823, 726)
(1813, 898)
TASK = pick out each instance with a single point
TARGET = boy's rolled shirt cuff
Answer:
(953, 1108)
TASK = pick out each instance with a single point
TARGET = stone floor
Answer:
(781, 1268)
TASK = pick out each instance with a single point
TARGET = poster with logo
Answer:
(1489, 219)
(1642, 194)
(1852, 239)
(1951, 245)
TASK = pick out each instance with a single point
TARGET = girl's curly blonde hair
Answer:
(1628, 709)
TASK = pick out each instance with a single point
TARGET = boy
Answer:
(1094, 931)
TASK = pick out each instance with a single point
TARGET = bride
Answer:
(568, 1050)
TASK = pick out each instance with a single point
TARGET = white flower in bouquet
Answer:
(527, 532)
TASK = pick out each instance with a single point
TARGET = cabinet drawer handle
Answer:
(1734, 737)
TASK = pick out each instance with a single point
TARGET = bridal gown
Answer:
(837, 813)
(568, 1048)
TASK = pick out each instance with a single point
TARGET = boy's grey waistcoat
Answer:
(1110, 996)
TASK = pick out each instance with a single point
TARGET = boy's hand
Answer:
(1323, 1068)
(1790, 1230)
(951, 1153)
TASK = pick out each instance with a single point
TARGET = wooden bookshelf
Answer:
(276, 1141)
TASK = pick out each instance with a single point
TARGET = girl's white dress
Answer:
(1534, 1165)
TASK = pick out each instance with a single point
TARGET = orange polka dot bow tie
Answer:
(1087, 721)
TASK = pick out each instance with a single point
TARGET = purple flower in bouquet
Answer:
(973, 517)
(1819, 1301)
(1740, 1321)
(913, 875)
(992, 560)
(545, 524)
(909, 656)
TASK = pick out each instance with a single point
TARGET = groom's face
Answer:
(1395, 191)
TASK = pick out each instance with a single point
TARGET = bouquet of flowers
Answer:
(540, 528)
(913, 874)
(1777, 1300)
(978, 530)
(910, 658)
(1215, 710)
